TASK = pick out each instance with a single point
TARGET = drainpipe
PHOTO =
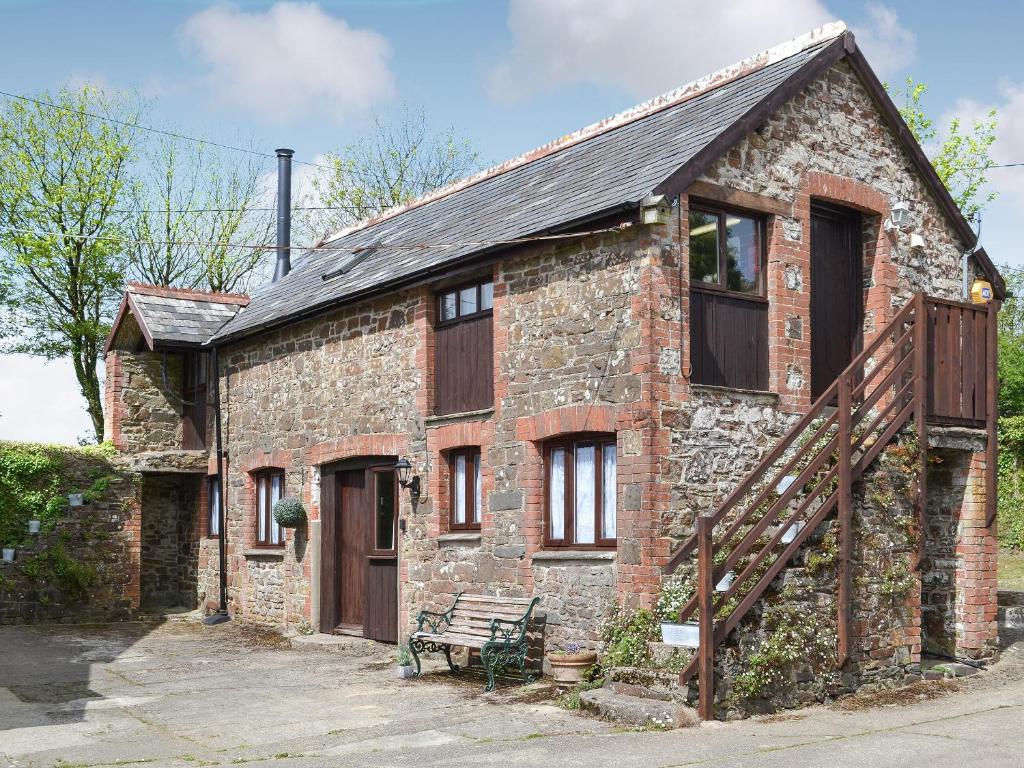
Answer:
(284, 213)
(222, 535)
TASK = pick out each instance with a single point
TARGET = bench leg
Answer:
(489, 658)
(455, 668)
(415, 645)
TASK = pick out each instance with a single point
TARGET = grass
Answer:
(1011, 569)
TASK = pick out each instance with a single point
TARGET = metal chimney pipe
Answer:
(284, 213)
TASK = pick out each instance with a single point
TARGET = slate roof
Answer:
(606, 167)
(173, 317)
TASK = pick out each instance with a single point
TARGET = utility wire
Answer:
(322, 249)
(151, 129)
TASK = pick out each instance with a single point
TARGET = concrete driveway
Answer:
(183, 694)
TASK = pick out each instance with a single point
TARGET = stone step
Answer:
(937, 669)
(637, 711)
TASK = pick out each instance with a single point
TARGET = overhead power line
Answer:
(151, 129)
(323, 249)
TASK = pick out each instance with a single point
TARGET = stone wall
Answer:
(170, 540)
(84, 566)
(589, 336)
(139, 413)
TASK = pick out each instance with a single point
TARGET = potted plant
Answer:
(685, 635)
(34, 526)
(569, 666)
(289, 512)
(403, 658)
(8, 554)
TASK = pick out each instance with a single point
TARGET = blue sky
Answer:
(507, 75)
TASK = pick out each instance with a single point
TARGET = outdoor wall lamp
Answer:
(899, 217)
(404, 469)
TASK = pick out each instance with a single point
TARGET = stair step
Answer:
(661, 680)
(637, 711)
(936, 669)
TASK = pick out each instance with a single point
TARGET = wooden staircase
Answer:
(934, 362)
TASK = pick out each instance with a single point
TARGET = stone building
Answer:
(580, 352)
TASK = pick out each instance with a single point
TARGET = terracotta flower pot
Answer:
(569, 667)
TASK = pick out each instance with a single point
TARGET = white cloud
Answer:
(642, 48)
(40, 401)
(290, 62)
(888, 46)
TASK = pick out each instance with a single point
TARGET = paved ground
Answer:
(183, 694)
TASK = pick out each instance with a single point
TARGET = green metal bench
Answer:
(495, 625)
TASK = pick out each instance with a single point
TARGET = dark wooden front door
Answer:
(360, 563)
(837, 293)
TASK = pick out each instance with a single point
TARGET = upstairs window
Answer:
(728, 309)
(727, 251)
(580, 492)
(194, 376)
(464, 349)
(465, 491)
(269, 490)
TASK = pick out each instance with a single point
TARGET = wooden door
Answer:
(381, 596)
(353, 545)
(837, 293)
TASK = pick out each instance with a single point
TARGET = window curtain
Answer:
(460, 488)
(261, 507)
(556, 498)
(214, 506)
(608, 490)
(477, 492)
(585, 486)
(276, 488)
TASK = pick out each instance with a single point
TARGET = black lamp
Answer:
(404, 469)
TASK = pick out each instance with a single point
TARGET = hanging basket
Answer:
(289, 512)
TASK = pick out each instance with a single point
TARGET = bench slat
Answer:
(468, 641)
(523, 601)
(478, 614)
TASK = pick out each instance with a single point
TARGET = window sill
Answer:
(264, 554)
(581, 556)
(716, 389)
(462, 537)
(480, 415)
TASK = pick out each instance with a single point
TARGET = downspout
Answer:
(222, 614)
(965, 265)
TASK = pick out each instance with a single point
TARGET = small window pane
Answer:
(608, 491)
(556, 494)
(467, 301)
(448, 305)
(385, 510)
(704, 246)
(487, 296)
(584, 483)
(214, 498)
(460, 488)
(743, 254)
(477, 493)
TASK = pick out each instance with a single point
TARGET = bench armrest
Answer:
(508, 631)
(437, 621)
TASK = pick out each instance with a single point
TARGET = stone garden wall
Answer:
(84, 565)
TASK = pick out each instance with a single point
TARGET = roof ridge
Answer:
(671, 98)
(170, 292)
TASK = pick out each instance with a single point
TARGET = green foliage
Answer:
(961, 157)
(824, 555)
(29, 490)
(1011, 482)
(55, 565)
(676, 591)
(591, 679)
(627, 634)
(63, 177)
(403, 656)
(289, 512)
(794, 635)
(897, 580)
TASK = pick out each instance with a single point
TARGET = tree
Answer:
(961, 159)
(192, 210)
(403, 159)
(64, 174)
